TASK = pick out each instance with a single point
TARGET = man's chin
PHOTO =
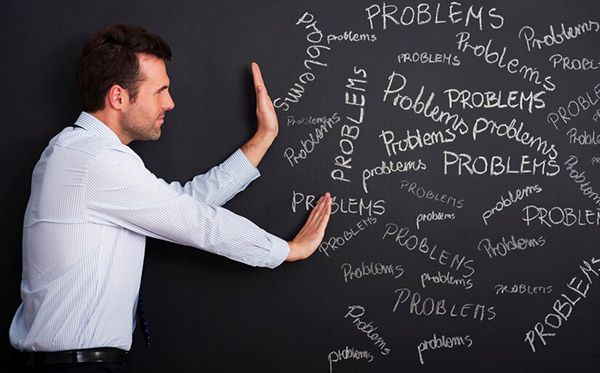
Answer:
(156, 135)
(151, 136)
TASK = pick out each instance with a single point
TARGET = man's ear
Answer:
(117, 97)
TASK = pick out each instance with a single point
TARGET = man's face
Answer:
(142, 119)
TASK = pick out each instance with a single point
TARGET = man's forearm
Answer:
(255, 148)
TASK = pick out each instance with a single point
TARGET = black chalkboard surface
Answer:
(458, 138)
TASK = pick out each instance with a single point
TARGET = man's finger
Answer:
(322, 207)
(320, 210)
(258, 79)
(325, 220)
(311, 217)
(323, 215)
(313, 214)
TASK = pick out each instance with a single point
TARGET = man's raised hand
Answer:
(265, 113)
(267, 126)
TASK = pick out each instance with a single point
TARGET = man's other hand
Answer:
(265, 113)
(267, 127)
(310, 236)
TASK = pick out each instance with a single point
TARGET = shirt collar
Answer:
(96, 126)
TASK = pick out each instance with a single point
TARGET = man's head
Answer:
(123, 79)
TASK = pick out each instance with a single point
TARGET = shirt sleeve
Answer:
(121, 191)
(222, 182)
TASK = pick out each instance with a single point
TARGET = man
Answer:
(93, 203)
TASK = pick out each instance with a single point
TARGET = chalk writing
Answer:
(585, 138)
(516, 133)
(426, 57)
(308, 145)
(580, 178)
(456, 262)
(498, 165)
(415, 140)
(574, 108)
(495, 99)
(514, 66)
(507, 202)
(355, 313)
(565, 304)
(348, 353)
(310, 120)
(574, 64)
(527, 33)
(349, 133)
(505, 246)
(423, 14)
(446, 279)
(313, 51)
(420, 192)
(389, 167)
(438, 307)
(370, 269)
(522, 289)
(565, 216)
(336, 242)
(433, 216)
(351, 36)
(342, 205)
(442, 342)
(417, 106)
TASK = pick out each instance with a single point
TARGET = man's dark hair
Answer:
(110, 57)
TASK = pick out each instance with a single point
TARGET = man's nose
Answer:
(169, 103)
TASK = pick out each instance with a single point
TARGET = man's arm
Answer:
(222, 182)
(121, 191)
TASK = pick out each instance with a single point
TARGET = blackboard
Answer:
(459, 139)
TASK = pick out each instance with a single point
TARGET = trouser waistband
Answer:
(89, 355)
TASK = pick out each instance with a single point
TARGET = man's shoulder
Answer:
(81, 141)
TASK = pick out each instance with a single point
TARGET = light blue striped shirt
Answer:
(92, 205)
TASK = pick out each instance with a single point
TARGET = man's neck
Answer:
(111, 121)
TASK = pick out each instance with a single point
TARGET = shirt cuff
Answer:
(241, 169)
(279, 252)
